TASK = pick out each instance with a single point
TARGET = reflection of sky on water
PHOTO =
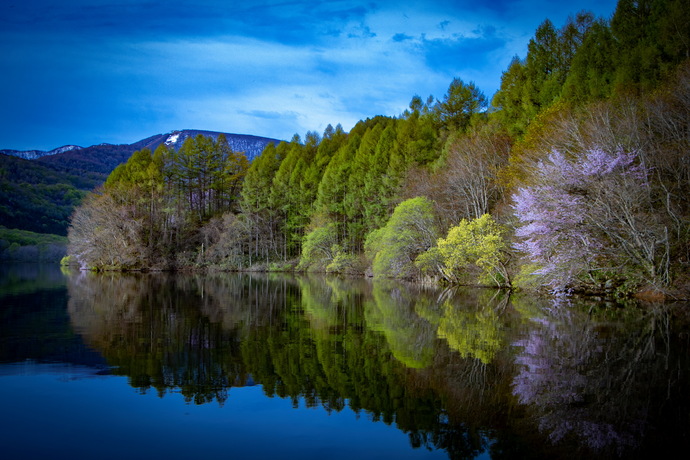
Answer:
(53, 410)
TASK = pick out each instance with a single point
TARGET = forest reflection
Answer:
(465, 371)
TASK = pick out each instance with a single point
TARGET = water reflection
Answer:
(469, 372)
(476, 326)
(605, 378)
(331, 343)
(22, 278)
(170, 332)
(392, 310)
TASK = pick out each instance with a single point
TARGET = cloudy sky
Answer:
(91, 71)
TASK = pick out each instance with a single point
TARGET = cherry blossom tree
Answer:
(589, 219)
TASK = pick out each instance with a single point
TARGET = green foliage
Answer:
(430, 263)
(462, 102)
(22, 245)
(256, 192)
(507, 103)
(593, 67)
(288, 192)
(27, 238)
(333, 185)
(533, 84)
(476, 243)
(472, 332)
(527, 277)
(652, 38)
(318, 248)
(410, 231)
(588, 59)
(361, 196)
(40, 197)
(345, 263)
(151, 209)
(416, 141)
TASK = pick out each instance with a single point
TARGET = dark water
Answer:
(241, 366)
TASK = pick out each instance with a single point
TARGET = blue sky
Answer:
(91, 71)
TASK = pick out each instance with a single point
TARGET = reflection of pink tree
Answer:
(568, 379)
(587, 214)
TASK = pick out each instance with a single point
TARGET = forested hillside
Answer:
(574, 177)
(40, 195)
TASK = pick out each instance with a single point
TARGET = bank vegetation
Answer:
(574, 177)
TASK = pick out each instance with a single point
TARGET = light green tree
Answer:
(476, 244)
(318, 248)
(410, 232)
(258, 205)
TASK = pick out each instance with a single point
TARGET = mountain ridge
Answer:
(35, 154)
(103, 158)
(39, 192)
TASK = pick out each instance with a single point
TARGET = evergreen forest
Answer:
(573, 178)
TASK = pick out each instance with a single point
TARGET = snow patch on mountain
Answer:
(252, 146)
(172, 139)
(64, 148)
(35, 154)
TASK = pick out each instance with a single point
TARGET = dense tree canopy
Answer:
(576, 174)
(148, 213)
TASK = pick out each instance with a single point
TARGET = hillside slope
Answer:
(39, 193)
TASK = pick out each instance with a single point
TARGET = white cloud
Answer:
(270, 69)
(224, 81)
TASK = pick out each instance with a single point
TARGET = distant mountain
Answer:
(103, 158)
(252, 146)
(34, 154)
(39, 189)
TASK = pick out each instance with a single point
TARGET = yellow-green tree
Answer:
(473, 246)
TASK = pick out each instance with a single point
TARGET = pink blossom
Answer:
(568, 212)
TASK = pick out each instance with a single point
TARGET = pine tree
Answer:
(461, 103)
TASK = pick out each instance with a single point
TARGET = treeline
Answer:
(575, 177)
(151, 210)
(590, 59)
(40, 198)
(25, 246)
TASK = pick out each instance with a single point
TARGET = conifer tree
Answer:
(461, 103)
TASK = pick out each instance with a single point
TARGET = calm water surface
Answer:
(245, 366)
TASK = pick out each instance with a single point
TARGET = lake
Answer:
(270, 366)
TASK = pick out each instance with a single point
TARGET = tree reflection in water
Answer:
(602, 379)
(468, 372)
